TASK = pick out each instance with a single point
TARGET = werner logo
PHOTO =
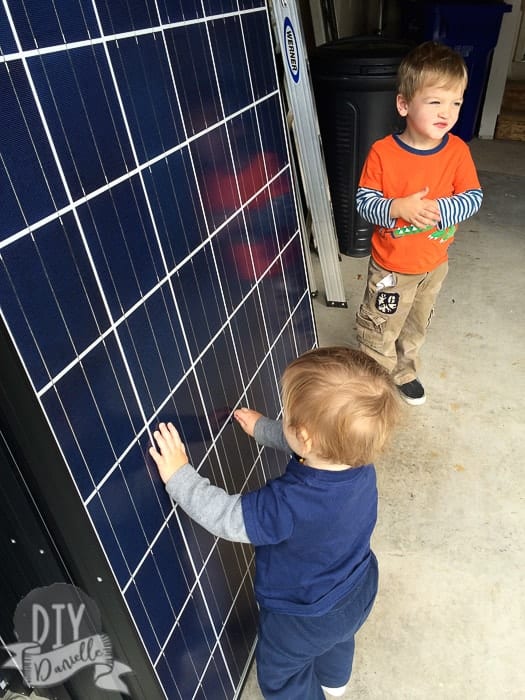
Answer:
(292, 52)
(58, 632)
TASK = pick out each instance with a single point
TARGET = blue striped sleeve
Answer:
(373, 207)
(459, 207)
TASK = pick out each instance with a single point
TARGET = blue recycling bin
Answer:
(472, 29)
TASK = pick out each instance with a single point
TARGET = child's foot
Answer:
(413, 392)
(336, 692)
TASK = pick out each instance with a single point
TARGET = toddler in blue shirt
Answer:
(316, 576)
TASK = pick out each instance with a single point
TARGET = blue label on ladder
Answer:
(292, 50)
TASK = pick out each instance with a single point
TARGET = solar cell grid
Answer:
(151, 268)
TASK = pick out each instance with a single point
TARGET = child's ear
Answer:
(304, 437)
(402, 105)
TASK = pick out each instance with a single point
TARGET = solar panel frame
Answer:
(152, 268)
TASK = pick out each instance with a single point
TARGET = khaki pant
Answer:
(393, 319)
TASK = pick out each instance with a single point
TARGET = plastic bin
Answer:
(472, 29)
(354, 81)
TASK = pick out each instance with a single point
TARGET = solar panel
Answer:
(152, 269)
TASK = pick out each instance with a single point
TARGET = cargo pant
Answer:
(394, 317)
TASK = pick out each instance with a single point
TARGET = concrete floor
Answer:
(449, 619)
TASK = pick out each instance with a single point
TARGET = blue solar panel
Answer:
(152, 269)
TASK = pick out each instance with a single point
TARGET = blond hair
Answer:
(344, 399)
(430, 63)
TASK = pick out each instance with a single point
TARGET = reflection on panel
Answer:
(151, 268)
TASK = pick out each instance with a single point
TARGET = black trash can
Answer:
(472, 29)
(354, 81)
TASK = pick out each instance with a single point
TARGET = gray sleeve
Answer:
(210, 506)
(269, 433)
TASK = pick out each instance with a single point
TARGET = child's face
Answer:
(431, 113)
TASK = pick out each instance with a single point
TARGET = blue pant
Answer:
(296, 655)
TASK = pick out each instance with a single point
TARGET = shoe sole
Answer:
(413, 402)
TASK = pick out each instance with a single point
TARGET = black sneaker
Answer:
(412, 392)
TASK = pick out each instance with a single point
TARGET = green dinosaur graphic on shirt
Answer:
(439, 235)
(443, 234)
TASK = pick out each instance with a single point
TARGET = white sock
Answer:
(336, 692)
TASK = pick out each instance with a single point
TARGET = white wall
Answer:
(501, 69)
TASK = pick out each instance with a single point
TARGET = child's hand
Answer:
(247, 418)
(416, 209)
(171, 453)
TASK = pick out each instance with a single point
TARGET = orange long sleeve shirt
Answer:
(393, 169)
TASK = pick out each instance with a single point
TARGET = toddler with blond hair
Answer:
(316, 575)
(415, 187)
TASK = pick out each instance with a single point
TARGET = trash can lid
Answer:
(351, 54)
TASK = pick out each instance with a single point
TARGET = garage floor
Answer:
(449, 620)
